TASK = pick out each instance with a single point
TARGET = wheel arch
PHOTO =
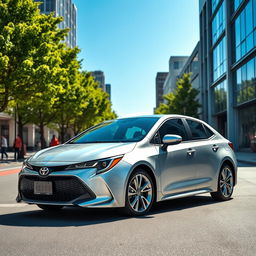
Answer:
(231, 164)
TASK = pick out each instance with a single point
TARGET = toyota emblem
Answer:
(44, 171)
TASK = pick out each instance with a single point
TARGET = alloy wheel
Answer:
(140, 193)
(226, 182)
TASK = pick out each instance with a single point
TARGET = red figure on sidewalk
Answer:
(54, 141)
(17, 147)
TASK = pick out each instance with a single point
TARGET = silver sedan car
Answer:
(131, 163)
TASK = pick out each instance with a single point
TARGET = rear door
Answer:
(205, 146)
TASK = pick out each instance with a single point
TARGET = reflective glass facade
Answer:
(219, 59)
(214, 4)
(237, 3)
(220, 97)
(50, 5)
(245, 30)
(246, 82)
(218, 23)
(228, 68)
(247, 127)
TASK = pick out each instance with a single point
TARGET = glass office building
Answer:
(68, 11)
(228, 67)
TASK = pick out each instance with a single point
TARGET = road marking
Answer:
(8, 172)
(13, 205)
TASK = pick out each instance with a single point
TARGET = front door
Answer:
(176, 163)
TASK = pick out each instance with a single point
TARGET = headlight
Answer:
(26, 165)
(102, 165)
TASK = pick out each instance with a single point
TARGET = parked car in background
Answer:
(131, 163)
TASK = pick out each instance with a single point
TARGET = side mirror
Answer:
(171, 139)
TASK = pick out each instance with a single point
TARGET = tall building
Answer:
(160, 79)
(192, 66)
(68, 11)
(108, 90)
(100, 77)
(176, 64)
(228, 67)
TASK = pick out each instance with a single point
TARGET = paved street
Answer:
(190, 226)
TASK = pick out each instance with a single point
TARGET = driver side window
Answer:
(173, 126)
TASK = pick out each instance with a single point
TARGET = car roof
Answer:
(159, 116)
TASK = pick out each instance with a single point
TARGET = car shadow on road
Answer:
(75, 216)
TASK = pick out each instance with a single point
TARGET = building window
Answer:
(214, 5)
(176, 65)
(236, 4)
(194, 65)
(219, 59)
(50, 6)
(245, 30)
(220, 97)
(246, 82)
(247, 126)
(41, 6)
(218, 23)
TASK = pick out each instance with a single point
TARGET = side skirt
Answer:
(185, 194)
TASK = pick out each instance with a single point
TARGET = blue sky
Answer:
(131, 40)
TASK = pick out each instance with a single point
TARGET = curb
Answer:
(246, 161)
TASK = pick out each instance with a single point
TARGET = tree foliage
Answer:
(40, 76)
(182, 101)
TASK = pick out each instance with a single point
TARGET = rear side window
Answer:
(173, 126)
(197, 130)
(208, 131)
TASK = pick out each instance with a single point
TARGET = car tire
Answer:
(50, 208)
(225, 184)
(140, 193)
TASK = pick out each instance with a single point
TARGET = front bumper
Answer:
(81, 187)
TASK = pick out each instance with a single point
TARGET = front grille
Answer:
(65, 189)
(51, 168)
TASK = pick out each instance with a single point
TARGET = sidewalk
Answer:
(246, 157)
(10, 163)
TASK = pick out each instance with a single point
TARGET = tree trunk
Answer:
(62, 133)
(42, 138)
(20, 133)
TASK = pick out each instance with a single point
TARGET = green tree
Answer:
(24, 36)
(29, 61)
(182, 101)
(95, 105)
(40, 77)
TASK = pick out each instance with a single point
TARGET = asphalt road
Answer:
(189, 226)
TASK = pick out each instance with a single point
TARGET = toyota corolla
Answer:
(131, 163)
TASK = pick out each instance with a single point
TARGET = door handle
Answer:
(191, 151)
(215, 148)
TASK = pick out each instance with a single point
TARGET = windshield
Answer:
(120, 130)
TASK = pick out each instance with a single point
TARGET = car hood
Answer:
(75, 153)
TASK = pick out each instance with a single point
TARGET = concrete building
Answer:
(100, 77)
(68, 11)
(176, 64)
(31, 135)
(192, 66)
(160, 79)
(108, 90)
(228, 67)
